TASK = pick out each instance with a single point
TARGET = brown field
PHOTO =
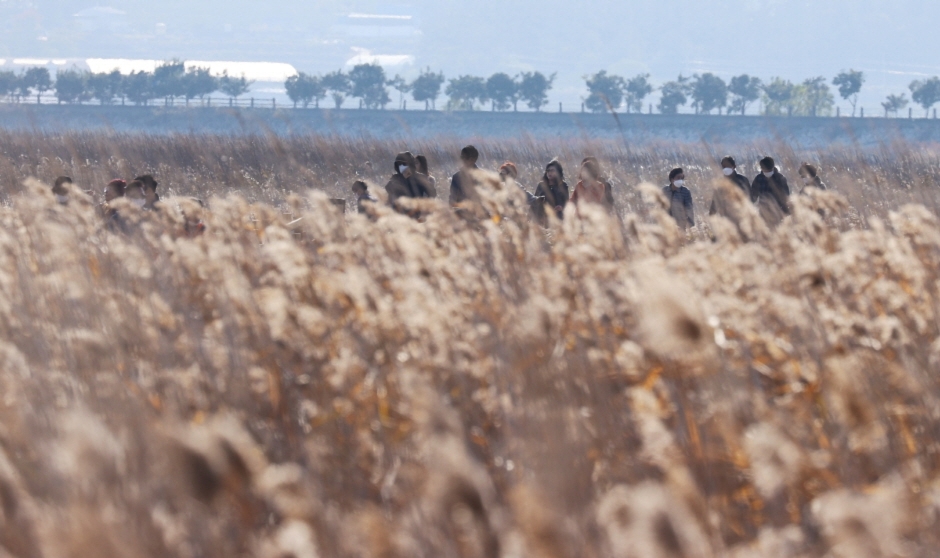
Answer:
(467, 386)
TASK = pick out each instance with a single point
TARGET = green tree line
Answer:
(704, 93)
(707, 93)
(170, 80)
(369, 83)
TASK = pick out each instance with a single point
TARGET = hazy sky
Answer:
(893, 42)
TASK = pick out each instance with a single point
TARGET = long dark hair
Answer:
(557, 165)
(421, 164)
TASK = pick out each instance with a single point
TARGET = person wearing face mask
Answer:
(809, 174)
(680, 199)
(150, 191)
(114, 190)
(60, 190)
(730, 172)
(771, 192)
(135, 194)
(407, 183)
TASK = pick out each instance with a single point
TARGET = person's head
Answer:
(508, 170)
(360, 188)
(148, 180)
(728, 165)
(150, 188)
(114, 189)
(150, 193)
(554, 174)
(767, 165)
(469, 156)
(59, 186)
(808, 171)
(421, 164)
(405, 164)
(135, 193)
(590, 171)
(677, 177)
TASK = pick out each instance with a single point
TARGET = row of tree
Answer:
(170, 80)
(708, 92)
(369, 83)
(704, 93)
(606, 92)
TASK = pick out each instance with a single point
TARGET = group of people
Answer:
(411, 179)
(769, 190)
(140, 192)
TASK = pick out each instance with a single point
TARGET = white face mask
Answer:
(402, 169)
(769, 174)
(679, 183)
(807, 180)
(62, 199)
(139, 202)
(728, 172)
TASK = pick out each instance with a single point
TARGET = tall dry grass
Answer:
(340, 386)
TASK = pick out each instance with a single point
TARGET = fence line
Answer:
(273, 104)
(217, 102)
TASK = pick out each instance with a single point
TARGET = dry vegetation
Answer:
(337, 386)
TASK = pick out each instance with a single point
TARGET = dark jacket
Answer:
(608, 194)
(775, 188)
(554, 196)
(415, 187)
(363, 201)
(739, 180)
(114, 222)
(680, 205)
(462, 187)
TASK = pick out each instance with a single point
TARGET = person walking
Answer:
(608, 188)
(135, 194)
(680, 199)
(112, 220)
(421, 167)
(150, 191)
(462, 184)
(406, 183)
(508, 171)
(590, 187)
(809, 175)
(60, 191)
(729, 170)
(771, 192)
(553, 190)
(363, 197)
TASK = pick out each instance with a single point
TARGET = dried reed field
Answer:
(299, 382)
